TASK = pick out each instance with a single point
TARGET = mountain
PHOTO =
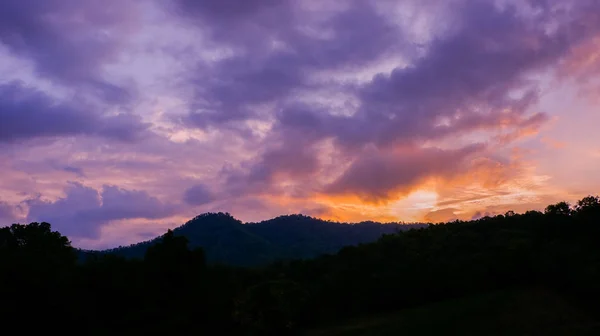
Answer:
(227, 240)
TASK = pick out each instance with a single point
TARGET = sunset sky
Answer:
(122, 118)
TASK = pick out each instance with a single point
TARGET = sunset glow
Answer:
(122, 118)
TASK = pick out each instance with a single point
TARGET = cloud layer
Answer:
(412, 110)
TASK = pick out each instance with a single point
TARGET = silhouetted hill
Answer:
(514, 274)
(229, 241)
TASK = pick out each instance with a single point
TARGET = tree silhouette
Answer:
(588, 205)
(560, 208)
(37, 264)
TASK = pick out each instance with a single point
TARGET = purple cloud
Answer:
(75, 170)
(7, 214)
(228, 10)
(283, 104)
(69, 40)
(475, 76)
(261, 73)
(84, 210)
(27, 113)
(233, 21)
(465, 81)
(198, 195)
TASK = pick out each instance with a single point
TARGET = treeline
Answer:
(173, 290)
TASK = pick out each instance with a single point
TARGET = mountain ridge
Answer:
(227, 240)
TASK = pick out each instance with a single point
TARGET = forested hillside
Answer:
(227, 240)
(457, 265)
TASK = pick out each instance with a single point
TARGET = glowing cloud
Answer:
(114, 129)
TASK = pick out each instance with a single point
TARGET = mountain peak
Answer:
(212, 219)
(214, 215)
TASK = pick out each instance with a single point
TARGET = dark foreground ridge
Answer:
(227, 240)
(513, 274)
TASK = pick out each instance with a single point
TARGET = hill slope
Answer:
(229, 241)
(509, 312)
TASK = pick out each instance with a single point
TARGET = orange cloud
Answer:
(378, 176)
(483, 182)
(443, 215)
(528, 127)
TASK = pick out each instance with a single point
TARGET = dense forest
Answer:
(174, 290)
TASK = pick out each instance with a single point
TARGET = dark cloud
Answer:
(83, 211)
(464, 78)
(262, 73)
(75, 170)
(228, 10)
(27, 113)
(237, 23)
(122, 204)
(198, 195)
(475, 78)
(69, 40)
(376, 175)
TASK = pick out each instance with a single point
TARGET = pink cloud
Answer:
(271, 107)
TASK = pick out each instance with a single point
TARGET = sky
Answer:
(122, 118)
